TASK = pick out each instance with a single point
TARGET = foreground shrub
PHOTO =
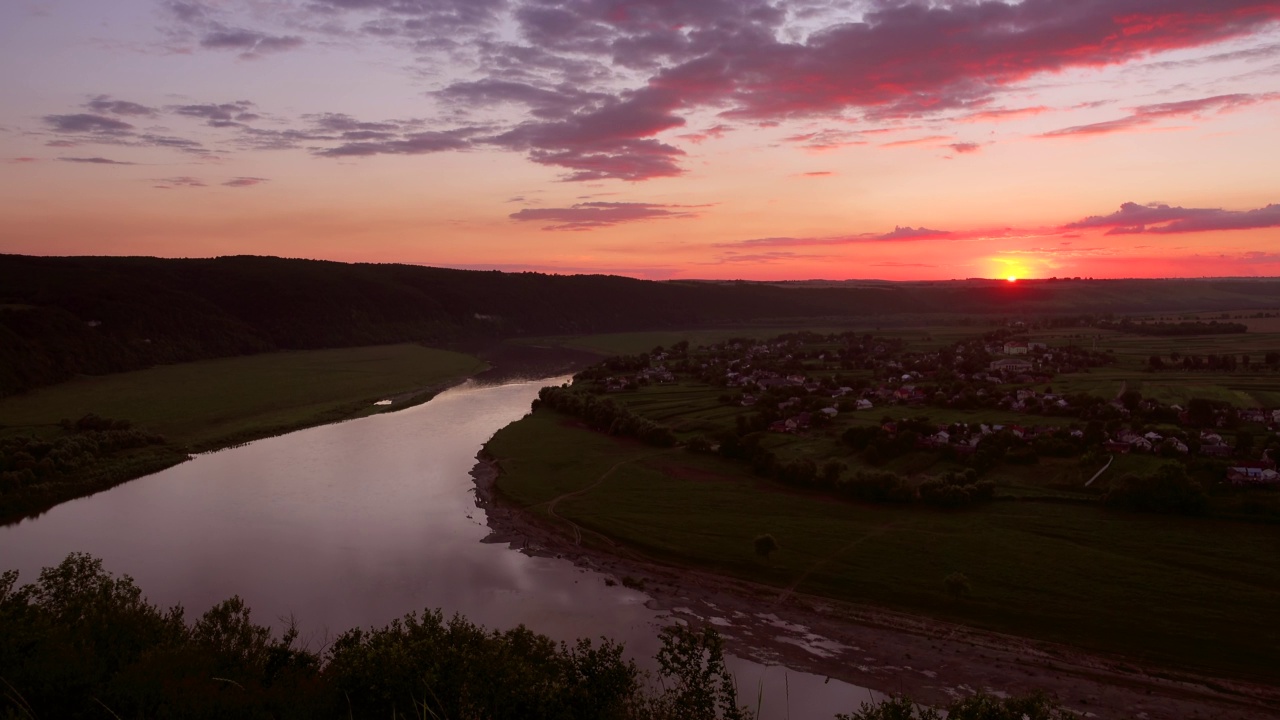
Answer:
(81, 643)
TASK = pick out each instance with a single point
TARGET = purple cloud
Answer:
(613, 140)
(241, 182)
(898, 234)
(249, 42)
(589, 215)
(1159, 218)
(178, 182)
(231, 114)
(420, 143)
(87, 123)
(95, 161)
(103, 104)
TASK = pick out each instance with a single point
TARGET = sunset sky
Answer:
(749, 139)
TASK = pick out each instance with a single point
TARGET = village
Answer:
(805, 383)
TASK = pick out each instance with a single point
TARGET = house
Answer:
(1250, 472)
(1253, 416)
(1011, 366)
(1015, 347)
(830, 412)
(1224, 451)
(864, 405)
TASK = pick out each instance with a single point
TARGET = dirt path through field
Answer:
(577, 529)
(790, 589)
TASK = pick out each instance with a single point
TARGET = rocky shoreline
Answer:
(889, 652)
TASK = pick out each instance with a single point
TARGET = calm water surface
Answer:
(356, 524)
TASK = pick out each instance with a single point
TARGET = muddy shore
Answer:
(890, 652)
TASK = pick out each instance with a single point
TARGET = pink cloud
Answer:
(930, 140)
(1002, 114)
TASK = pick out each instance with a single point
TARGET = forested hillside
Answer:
(64, 316)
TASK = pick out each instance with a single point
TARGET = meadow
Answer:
(201, 404)
(1146, 587)
(211, 404)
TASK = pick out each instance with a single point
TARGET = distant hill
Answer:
(65, 316)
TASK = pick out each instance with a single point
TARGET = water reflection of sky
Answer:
(356, 524)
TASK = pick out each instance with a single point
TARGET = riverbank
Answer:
(892, 652)
(193, 408)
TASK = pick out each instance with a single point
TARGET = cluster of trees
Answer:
(974, 707)
(82, 643)
(604, 415)
(952, 489)
(26, 461)
(1227, 363)
(955, 489)
(1178, 329)
(92, 453)
(1168, 490)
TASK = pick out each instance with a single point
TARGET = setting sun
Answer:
(1012, 278)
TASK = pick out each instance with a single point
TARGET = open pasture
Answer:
(1149, 587)
(199, 404)
(920, 336)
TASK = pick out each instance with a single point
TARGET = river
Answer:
(358, 523)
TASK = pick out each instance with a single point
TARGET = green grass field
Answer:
(1192, 593)
(208, 405)
(634, 343)
(199, 404)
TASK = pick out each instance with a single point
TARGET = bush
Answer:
(765, 545)
(1168, 490)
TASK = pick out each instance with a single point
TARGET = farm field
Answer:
(1149, 587)
(202, 403)
(632, 343)
(211, 404)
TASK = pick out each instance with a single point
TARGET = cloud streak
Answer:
(591, 215)
(1151, 114)
(898, 234)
